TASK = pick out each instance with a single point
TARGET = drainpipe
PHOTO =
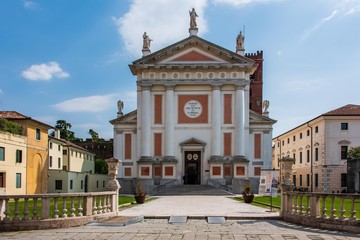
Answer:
(311, 157)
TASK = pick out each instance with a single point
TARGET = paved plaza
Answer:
(196, 227)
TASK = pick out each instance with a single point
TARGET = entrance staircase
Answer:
(195, 190)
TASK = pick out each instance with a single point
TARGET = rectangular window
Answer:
(145, 171)
(344, 150)
(97, 184)
(294, 180)
(300, 157)
(344, 126)
(2, 180)
(18, 156)
(307, 179)
(158, 109)
(2, 154)
(308, 155)
(300, 135)
(316, 129)
(169, 171)
(282, 142)
(294, 156)
(316, 154)
(227, 144)
(103, 184)
(227, 108)
(38, 134)
(257, 144)
(71, 184)
(58, 184)
(308, 133)
(59, 148)
(294, 138)
(278, 144)
(127, 172)
(128, 145)
(51, 145)
(240, 170)
(300, 180)
(59, 163)
(50, 161)
(157, 144)
(18, 180)
(82, 184)
(288, 140)
(257, 171)
(316, 180)
(343, 180)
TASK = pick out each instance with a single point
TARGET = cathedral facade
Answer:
(199, 118)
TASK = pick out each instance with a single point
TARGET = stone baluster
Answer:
(99, 209)
(301, 207)
(35, 209)
(105, 204)
(64, 210)
(72, 210)
(26, 209)
(333, 210)
(16, 209)
(352, 211)
(80, 208)
(6, 212)
(94, 206)
(323, 209)
(342, 210)
(56, 210)
(307, 209)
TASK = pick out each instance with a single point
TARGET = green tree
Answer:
(354, 153)
(94, 135)
(101, 166)
(65, 132)
(10, 127)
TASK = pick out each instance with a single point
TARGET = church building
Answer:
(200, 118)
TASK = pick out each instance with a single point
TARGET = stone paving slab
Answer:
(198, 206)
(216, 220)
(194, 229)
(178, 219)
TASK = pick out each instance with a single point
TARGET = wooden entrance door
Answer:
(192, 167)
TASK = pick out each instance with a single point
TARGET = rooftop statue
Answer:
(193, 17)
(146, 41)
(240, 42)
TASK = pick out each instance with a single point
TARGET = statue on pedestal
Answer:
(146, 42)
(240, 42)
(193, 17)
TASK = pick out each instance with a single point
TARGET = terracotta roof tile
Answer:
(346, 110)
(12, 115)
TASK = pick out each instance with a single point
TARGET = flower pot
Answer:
(248, 198)
(140, 199)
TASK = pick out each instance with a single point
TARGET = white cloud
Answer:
(353, 10)
(30, 4)
(164, 21)
(319, 24)
(97, 103)
(242, 3)
(44, 72)
(301, 85)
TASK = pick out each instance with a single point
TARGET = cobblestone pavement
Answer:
(160, 229)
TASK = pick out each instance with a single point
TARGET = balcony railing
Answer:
(18, 211)
(335, 211)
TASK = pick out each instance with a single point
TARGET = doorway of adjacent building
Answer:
(192, 167)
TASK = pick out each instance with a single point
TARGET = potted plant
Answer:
(248, 195)
(139, 193)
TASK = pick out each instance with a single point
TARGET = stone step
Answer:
(199, 190)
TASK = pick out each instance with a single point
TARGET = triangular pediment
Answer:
(192, 50)
(192, 142)
(256, 117)
(130, 117)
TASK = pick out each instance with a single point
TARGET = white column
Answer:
(239, 121)
(146, 120)
(169, 121)
(216, 121)
(139, 122)
(246, 137)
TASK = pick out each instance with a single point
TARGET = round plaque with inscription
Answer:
(193, 109)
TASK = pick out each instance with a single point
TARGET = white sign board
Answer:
(193, 109)
(269, 182)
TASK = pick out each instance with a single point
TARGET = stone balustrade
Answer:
(329, 211)
(41, 211)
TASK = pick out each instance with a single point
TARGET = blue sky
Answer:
(65, 59)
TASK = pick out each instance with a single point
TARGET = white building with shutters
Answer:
(199, 118)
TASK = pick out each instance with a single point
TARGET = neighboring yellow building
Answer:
(12, 164)
(36, 151)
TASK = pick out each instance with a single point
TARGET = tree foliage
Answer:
(10, 127)
(354, 153)
(94, 135)
(101, 166)
(65, 133)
